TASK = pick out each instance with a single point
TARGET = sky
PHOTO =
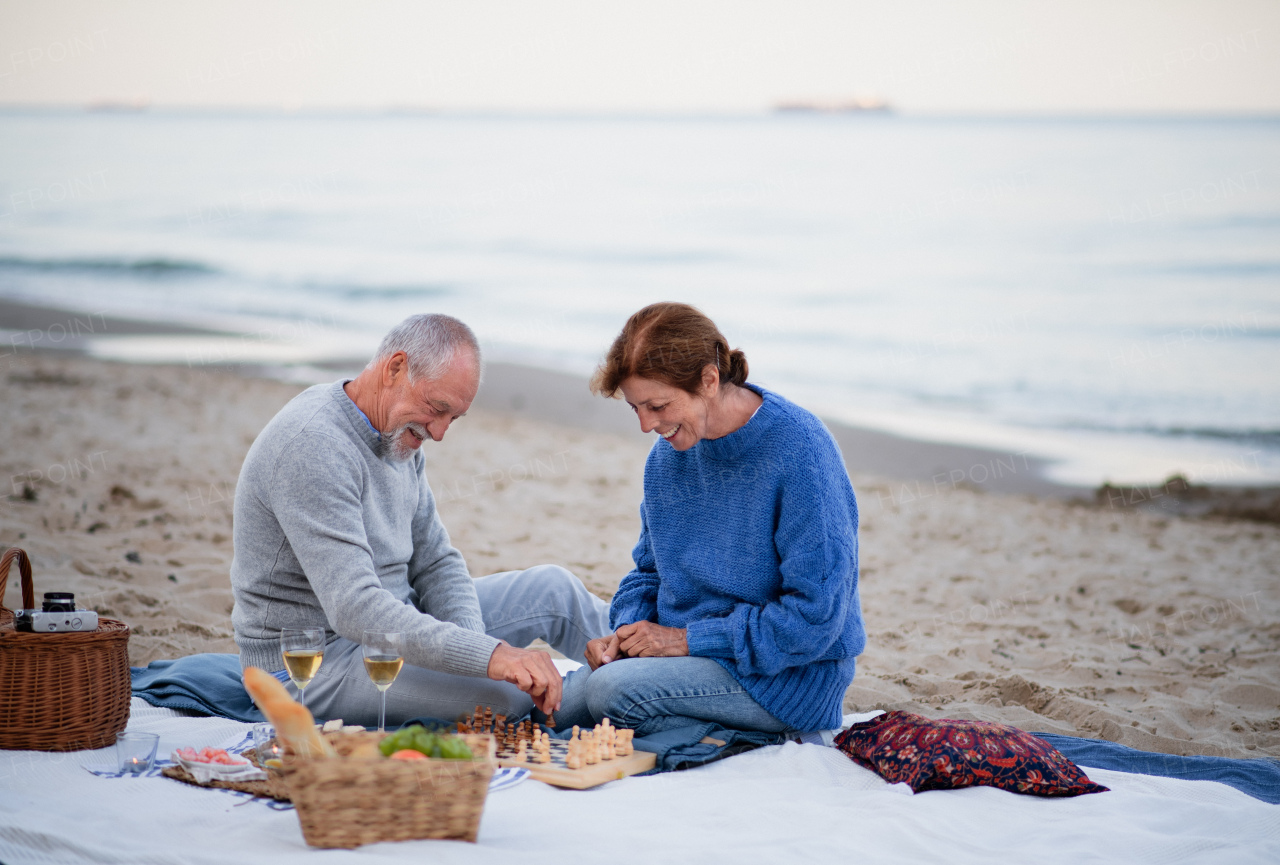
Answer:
(957, 56)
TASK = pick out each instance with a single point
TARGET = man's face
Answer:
(426, 408)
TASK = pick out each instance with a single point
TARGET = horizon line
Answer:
(127, 107)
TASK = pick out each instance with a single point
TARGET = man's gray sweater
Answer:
(328, 535)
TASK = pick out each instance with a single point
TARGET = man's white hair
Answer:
(430, 341)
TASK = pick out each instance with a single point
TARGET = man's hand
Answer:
(531, 672)
(649, 640)
(602, 650)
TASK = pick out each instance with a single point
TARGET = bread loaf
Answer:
(295, 727)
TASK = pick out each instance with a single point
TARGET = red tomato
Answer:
(408, 754)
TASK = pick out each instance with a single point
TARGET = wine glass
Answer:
(303, 650)
(383, 659)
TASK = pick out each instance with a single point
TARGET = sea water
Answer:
(1101, 292)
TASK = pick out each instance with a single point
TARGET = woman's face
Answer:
(676, 415)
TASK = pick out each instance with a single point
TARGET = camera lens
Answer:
(59, 602)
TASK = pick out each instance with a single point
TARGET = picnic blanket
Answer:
(211, 684)
(782, 803)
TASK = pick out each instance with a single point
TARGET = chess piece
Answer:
(522, 753)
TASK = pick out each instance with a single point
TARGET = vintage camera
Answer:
(58, 615)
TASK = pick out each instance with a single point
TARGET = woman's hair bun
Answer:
(737, 368)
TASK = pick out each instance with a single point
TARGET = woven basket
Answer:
(60, 692)
(346, 802)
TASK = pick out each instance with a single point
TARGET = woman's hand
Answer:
(602, 650)
(649, 640)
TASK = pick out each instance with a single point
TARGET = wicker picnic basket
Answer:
(59, 692)
(349, 802)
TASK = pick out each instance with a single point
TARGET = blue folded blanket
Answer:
(208, 684)
(1260, 778)
(211, 685)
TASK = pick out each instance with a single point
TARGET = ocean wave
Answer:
(375, 292)
(150, 268)
(1213, 268)
(1266, 438)
(616, 255)
(1241, 220)
(159, 269)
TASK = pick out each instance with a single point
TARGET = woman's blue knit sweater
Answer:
(750, 542)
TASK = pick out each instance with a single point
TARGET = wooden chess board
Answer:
(556, 772)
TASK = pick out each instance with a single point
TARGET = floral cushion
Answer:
(945, 754)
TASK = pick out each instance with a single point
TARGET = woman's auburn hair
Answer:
(671, 343)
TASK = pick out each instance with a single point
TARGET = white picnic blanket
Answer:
(789, 803)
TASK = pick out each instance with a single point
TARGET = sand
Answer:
(1156, 631)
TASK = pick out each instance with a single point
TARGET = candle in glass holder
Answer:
(135, 752)
(266, 745)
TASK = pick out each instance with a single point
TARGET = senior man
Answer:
(336, 527)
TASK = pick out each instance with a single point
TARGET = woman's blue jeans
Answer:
(651, 695)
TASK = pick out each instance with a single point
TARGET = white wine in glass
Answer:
(303, 650)
(383, 659)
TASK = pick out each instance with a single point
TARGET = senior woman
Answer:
(742, 608)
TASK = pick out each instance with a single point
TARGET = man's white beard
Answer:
(396, 445)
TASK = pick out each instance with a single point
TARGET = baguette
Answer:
(294, 725)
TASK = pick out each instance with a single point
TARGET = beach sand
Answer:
(1152, 630)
